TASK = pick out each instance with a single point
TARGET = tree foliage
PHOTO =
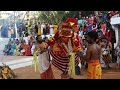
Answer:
(55, 17)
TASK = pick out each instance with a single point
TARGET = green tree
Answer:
(51, 16)
(55, 17)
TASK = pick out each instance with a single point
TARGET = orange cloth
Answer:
(27, 49)
(94, 69)
(55, 28)
(48, 74)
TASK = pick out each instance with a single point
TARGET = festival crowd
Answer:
(86, 28)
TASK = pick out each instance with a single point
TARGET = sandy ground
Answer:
(29, 73)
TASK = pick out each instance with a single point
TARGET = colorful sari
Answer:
(39, 31)
(94, 69)
(17, 52)
(27, 49)
(13, 47)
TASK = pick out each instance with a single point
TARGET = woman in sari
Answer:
(27, 49)
(13, 47)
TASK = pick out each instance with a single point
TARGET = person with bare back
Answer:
(93, 56)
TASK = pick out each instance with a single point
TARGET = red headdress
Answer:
(66, 29)
(72, 21)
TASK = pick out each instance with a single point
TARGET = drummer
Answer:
(105, 46)
(117, 50)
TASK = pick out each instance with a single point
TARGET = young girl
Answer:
(106, 47)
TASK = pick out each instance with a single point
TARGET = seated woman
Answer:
(13, 47)
(17, 50)
(21, 50)
(5, 50)
(27, 49)
(8, 49)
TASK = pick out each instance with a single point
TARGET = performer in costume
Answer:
(62, 44)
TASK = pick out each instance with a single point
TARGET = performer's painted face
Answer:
(65, 39)
(66, 32)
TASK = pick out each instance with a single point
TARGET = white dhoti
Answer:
(44, 61)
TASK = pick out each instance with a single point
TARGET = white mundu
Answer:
(51, 29)
(44, 61)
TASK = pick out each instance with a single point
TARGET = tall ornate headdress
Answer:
(66, 29)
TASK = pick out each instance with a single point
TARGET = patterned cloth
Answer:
(61, 60)
(94, 69)
(48, 74)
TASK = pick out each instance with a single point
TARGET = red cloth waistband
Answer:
(94, 61)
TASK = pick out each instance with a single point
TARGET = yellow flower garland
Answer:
(35, 63)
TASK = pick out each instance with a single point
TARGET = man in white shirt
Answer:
(51, 29)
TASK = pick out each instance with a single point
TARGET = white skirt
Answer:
(44, 63)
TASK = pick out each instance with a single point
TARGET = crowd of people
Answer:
(20, 29)
(85, 24)
(96, 39)
(20, 46)
(106, 34)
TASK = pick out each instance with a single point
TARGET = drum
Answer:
(106, 56)
(118, 54)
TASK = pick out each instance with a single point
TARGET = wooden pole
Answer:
(15, 27)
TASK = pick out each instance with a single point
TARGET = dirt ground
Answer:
(29, 73)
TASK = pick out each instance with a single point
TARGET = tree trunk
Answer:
(97, 15)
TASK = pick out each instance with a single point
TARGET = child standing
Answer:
(118, 54)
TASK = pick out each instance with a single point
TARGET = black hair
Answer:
(26, 34)
(39, 41)
(93, 35)
(37, 37)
